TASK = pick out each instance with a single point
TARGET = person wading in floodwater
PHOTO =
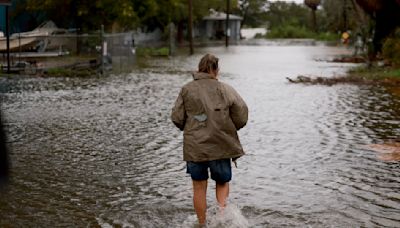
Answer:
(210, 113)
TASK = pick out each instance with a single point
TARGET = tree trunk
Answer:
(180, 32)
(190, 32)
(314, 20)
(386, 22)
(387, 17)
(227, 24)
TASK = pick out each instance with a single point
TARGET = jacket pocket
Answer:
(197, 122)
(223, 119)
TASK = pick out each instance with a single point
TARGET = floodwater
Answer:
(101, 151)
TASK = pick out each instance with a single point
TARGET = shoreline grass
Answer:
(375, 73)
(299, 32)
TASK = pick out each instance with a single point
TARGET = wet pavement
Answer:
(102, 151)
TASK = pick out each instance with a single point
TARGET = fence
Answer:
(119, 48)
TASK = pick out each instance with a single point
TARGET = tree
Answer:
(127, 14)
(340, 15)
(313, 5)
(87, 14)
(281, 13)
(252, 12)
(386, 15)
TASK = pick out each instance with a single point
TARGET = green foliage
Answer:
(287, 14)
(252, 11)
(375, 72)
(332, 16)
(290, 20)
(66, 72)
(391, 48)
(88, 15)
(290, 31)
(146, 51)
(338, 16)
(327, 36)
(395, 73)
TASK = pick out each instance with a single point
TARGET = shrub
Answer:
(391, 48)
(148, 51)
(292, 31)
(289, 31)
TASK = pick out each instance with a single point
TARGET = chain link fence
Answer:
(118, 49)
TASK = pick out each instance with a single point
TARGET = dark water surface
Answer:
(103, 152)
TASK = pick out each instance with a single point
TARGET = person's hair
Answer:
(208, 63)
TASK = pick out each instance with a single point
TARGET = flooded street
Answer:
(102, 151)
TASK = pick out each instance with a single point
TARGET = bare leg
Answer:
(222, 192)
(200, 199)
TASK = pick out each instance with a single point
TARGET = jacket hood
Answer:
(202, 75)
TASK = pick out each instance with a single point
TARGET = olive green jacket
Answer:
(210, 113)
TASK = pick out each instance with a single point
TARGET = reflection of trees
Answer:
(3, 155)
(378, 111)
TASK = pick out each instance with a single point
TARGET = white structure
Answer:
(250, 33)
(213, 26)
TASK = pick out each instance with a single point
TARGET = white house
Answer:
(213, 26)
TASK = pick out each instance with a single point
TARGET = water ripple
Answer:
(101, 151)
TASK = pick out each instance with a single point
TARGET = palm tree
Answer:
(313, 4)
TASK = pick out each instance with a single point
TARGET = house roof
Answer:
(217, 16)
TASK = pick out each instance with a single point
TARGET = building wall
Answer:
(210, 27)
(235, 30)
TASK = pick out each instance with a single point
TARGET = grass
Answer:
(386, 76)
(291, 32)
(65, 72)
(326, 36)
(148, 51)
(376, 73)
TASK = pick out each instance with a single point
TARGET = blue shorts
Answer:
(220, 170)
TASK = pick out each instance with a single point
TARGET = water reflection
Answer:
(102, 150)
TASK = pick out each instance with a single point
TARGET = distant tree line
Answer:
(114, 15)
(376, 17)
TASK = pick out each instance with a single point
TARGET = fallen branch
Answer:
(343, 79)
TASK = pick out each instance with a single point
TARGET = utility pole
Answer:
(345, 15)
(8, 40)
(227, 32)
(191, 27)
(171, 28)
(19, 45)
(102, 50)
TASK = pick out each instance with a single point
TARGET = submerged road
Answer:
(103, 151)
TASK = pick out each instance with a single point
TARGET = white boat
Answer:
(32, 40)
(22, 44)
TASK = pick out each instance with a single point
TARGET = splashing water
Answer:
(231, 216)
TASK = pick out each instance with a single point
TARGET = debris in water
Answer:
(342, 79)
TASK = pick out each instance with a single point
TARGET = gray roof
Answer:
(216, 16)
